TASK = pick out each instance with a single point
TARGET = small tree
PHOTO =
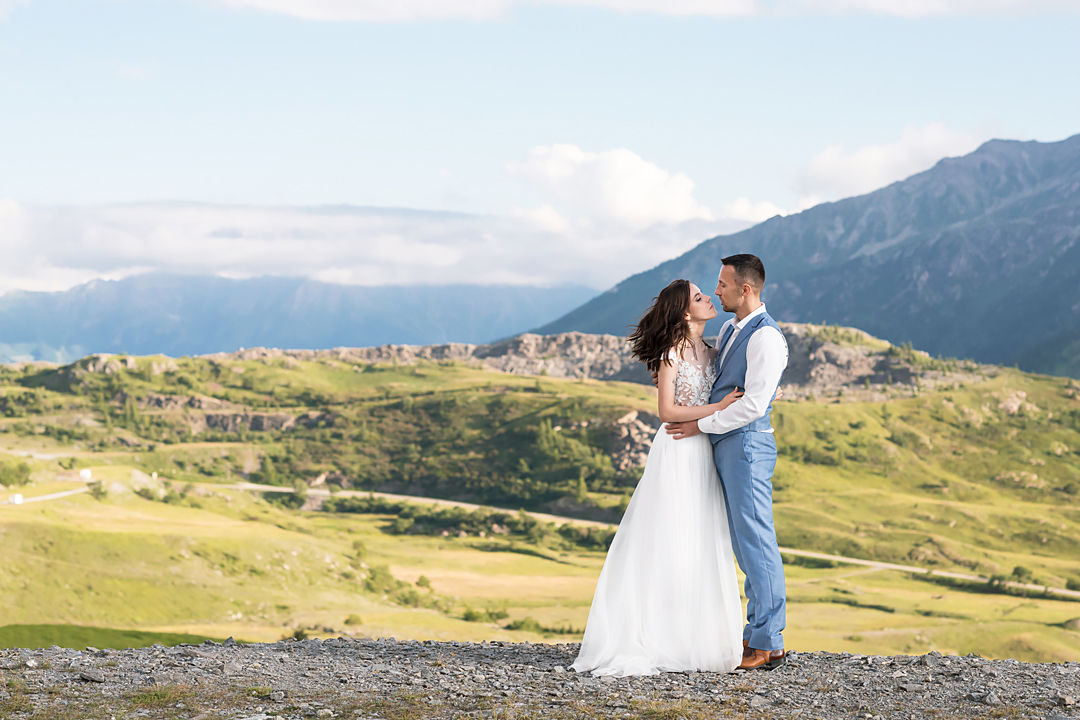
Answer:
(1022, 574)
(581, 488)
(267, 473)
(12, 474)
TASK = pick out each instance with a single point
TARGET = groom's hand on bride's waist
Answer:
(682, 430)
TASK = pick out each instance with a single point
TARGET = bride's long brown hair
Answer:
(663, 326)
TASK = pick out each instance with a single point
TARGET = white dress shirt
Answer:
(766, 358)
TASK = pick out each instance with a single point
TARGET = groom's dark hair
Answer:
(748, 269)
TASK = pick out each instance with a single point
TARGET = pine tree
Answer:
(581, 489)
(267, 472)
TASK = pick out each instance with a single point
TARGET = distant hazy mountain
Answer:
(977, 257)
(185, 315)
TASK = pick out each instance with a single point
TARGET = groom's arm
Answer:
(766, 358)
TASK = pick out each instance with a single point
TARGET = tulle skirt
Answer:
(667, 598)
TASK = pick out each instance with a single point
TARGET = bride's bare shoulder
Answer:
(680, 353)
(672, 357)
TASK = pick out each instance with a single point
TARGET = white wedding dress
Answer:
(667, 598)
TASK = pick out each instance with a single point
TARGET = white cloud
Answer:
(745, 209)
(431, 10)
(379, 10)
(6, 6)
(29, 263)
(718, 8)
(601, 216)
(611, 187)
(13, 225)
(838, 172)
(422, 10)
(53, 248)
(930, 8)
(544, 218)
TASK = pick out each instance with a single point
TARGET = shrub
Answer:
(359, 549)
(487, 615)
(408, 597)
(14, 474)
(528, 624)
(1022, 574)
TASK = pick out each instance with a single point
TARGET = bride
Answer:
(667, 597)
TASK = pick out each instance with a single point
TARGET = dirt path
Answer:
(41, 498)
(810, 554)
(546, 517)
(317, 492)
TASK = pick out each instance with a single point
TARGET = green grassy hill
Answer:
(982, 476)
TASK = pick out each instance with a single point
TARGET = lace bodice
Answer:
(695, 376)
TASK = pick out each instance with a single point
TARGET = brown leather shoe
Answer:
(763, 659)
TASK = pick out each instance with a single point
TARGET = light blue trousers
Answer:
(746, 462)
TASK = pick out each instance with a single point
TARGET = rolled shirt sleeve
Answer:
(766, 358)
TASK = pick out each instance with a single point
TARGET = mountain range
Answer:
(977, 257)
(188, 315)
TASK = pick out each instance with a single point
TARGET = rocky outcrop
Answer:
(103, 363)
(263, 421)
(234, 421)
(823, 360)
(568, 355)
(209, 413)
(156, 401)
(847, 363)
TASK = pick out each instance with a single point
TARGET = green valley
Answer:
(977, 471)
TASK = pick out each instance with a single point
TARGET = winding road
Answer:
(811, 554)
(546, 517)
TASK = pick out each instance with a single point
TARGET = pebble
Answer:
(313, 679)
(92, 676)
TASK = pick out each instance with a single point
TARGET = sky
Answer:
(483, 141)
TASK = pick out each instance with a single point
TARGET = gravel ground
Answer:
(362, 679)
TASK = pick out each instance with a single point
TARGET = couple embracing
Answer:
(667, 598)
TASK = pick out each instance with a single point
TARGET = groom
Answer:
(752, 355)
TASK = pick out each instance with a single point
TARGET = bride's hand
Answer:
(731, 397)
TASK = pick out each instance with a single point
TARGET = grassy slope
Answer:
(79, 637)
(947, 479)
(142, 564)
(938, 479)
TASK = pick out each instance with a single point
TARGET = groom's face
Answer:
(728, 289)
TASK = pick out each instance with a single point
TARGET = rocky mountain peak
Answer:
(924, 260)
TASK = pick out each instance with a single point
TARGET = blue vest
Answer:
(733, 372)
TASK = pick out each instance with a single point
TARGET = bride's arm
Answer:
(669, 412)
